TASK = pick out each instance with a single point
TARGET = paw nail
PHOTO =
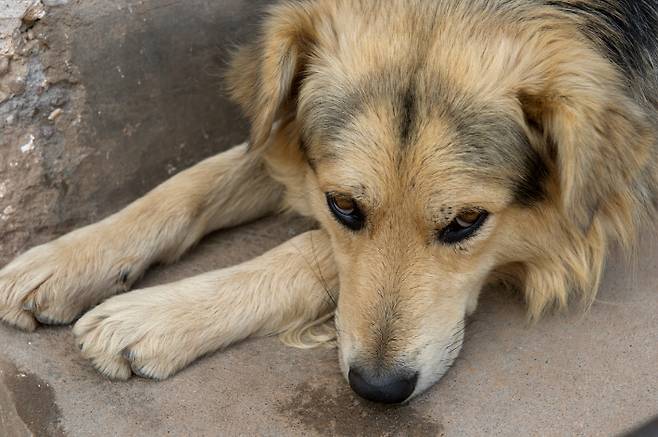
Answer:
(49, 320)
(123, 278)
(43, 320)
(140, 372)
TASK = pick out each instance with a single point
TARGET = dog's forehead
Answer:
(380, 101)
(393, 121)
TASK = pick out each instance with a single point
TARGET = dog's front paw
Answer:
(133, 333)
(53, 283)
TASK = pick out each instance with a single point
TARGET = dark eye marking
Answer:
(346, 211)
(463, 227)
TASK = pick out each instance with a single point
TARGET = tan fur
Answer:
(403, 296)
(55, 282)
(159, 330)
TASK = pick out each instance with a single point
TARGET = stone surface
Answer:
(100, 101)
(570, 374)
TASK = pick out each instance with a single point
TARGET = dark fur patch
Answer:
(303, 147)
(408, 107)
(329, 115)
(529, 188)
(624, 29)
(496, 145)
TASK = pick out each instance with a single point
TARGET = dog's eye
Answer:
(463, 226)
(346, 211)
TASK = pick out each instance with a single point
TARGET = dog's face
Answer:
(421, 193)
(432, 159)
(414, 235)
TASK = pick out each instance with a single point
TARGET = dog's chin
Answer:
(434, 363)
(343, 359)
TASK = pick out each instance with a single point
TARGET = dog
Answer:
(439, 145)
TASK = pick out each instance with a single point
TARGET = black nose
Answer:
(390, 388)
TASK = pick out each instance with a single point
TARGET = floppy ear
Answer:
(264, 77)
(599, 138)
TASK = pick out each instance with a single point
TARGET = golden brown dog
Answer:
(439, 145)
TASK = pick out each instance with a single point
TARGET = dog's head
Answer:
(441, 147)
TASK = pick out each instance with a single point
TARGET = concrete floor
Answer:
(571, 374)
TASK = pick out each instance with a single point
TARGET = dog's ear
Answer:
(264, 76)
(598, 137)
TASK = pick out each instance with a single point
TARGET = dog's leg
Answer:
(55, 282)
(157, 331)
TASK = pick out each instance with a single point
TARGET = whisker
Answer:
(317, 271)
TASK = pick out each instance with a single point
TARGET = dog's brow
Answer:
(488, 140)
(330, 110)
(494, 143)
(354, 189)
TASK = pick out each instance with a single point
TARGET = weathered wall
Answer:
(100, 101)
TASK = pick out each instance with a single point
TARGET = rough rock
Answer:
(137, 92)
